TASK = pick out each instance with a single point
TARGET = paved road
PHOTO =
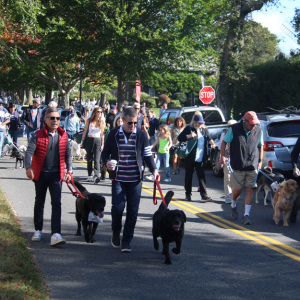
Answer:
(220, 259)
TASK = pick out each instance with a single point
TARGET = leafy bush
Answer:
(175, 103)
(180, 96)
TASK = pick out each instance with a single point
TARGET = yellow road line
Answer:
(245, 232)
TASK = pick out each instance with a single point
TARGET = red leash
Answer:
(75, 193)
(156, 183)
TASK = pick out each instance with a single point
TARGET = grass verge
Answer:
(20, 278)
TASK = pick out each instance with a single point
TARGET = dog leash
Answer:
(75, 193)
(259, 171)
(156, 183)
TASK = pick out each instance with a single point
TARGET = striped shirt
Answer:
(127, 169)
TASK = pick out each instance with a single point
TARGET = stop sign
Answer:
(207, 95)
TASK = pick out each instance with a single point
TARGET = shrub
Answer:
(180, 96)
(174, 103)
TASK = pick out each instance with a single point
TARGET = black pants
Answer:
(93, 154)
(52, 181)
(190, 166)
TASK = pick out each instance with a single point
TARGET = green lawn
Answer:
(20, 277)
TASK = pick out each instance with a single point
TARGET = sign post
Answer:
(207, 95)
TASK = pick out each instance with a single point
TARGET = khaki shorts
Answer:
(244, 178)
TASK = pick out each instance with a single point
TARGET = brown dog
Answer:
(284, 200)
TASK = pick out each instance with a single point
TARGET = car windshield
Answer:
(209, 116)
(284, 129)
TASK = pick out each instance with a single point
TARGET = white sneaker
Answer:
(90, 179)
(37, 236)
(56, 239)
(150, 177)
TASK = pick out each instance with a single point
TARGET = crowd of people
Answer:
(133, 138)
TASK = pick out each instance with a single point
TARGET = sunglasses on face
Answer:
(54, 118)
(130, 123)
(99, 111)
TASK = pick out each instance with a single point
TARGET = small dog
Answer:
(7, 149)
(169, 225)
(92, 203)
(284, 200)
(75, 149)
(265, 183)
(82, 154)
(20, 157)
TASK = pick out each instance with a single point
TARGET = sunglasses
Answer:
(54, 118)
(130, 123)
(99, 111)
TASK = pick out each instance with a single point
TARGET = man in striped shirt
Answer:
(129, 146)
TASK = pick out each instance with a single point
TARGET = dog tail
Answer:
(168, 199)
(81, 188)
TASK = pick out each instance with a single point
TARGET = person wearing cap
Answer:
(4, 119)
(197, 157)
(226, 169)
(246, 154)
(72, 124)
(14, 123)
(140, 116)
(32, 118)
(111, 116)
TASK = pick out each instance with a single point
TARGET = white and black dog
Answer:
(77, 151)
(268, 185)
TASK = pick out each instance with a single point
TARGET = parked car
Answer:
(281, 130)
(65, 112)
(213, 117)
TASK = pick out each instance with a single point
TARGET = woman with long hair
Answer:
(179, 125)
(94, 129)
(198, 155)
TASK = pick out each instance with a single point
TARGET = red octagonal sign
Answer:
(207, 95)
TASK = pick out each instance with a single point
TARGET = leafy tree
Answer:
(234, 19)
(296, 24)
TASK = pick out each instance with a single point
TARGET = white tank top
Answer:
(94, 131)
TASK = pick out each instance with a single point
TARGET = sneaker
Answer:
(126, 248)
(188, 197)
(234, 213)
(175, 172)
(96, 179)
(206, 198)
(178, 171)
(115, 240)
(167, 180)
(56, 239)
(37, 236)
(90, 179)
(228, 201)
(150, 177)
(246, 220)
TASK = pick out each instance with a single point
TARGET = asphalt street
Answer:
(220, 258)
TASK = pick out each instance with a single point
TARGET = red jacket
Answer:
(40, 152)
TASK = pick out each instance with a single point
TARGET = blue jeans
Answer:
(52, 181)
(165, 157)
(30, 132)
(122, 192)
(1, 141)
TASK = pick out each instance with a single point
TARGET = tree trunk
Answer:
(121, 92)
(48, 96)
(240, 9)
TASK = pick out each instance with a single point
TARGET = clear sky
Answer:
(278, 20)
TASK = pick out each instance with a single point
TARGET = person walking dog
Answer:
(47, 153)
(129, 146)
(246, 153)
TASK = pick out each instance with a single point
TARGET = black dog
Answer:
(93, 202)
(265, 183)
(20, 157)
(169, 225)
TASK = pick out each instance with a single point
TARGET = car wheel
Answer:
(216, 172)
